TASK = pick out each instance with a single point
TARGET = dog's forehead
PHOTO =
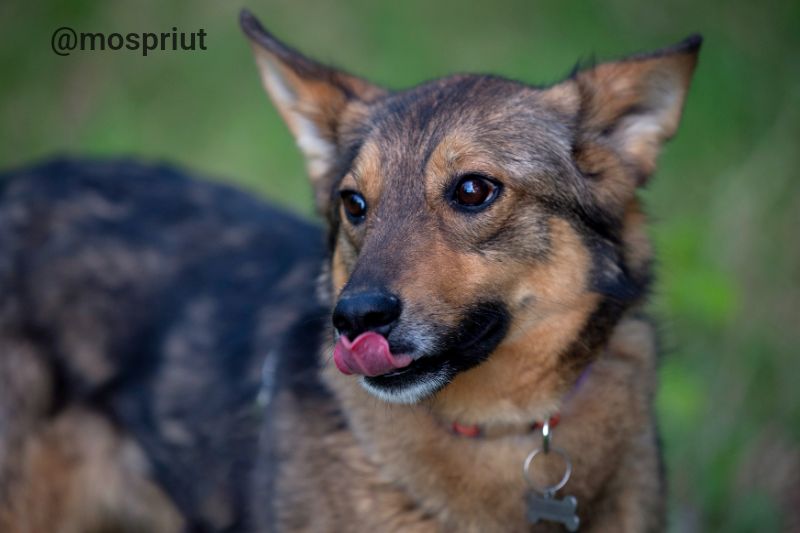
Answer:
(498, 119)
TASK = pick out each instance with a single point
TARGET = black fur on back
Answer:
(156, 298)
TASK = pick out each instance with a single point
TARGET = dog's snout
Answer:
(366, 311)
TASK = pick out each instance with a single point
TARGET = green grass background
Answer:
(725, 202)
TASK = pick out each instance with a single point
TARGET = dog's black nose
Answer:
(366, 311)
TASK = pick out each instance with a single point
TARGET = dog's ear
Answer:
(625, 110)
(314, 100)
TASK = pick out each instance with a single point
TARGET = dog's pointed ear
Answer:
(629, 108)
(313, 99)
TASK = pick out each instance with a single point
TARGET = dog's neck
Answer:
(503, 430)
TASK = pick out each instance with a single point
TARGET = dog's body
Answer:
(487, 268)
(138, 309)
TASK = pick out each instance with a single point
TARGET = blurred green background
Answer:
(725, 203)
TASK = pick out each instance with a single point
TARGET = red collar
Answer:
(475, 431)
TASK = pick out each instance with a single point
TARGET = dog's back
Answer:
(123, 307)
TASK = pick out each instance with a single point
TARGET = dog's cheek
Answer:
(556, 284)
(550, 304)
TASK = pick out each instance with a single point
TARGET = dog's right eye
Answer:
(354, 206)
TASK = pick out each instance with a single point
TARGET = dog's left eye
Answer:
(355, 206)
(474, 191)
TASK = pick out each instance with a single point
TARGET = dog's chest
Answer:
(326, 481)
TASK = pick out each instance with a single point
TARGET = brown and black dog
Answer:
(486, 271)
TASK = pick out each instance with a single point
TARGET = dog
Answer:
(463, 346)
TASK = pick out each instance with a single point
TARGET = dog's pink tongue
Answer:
(368, 355)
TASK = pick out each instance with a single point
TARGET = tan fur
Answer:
(476, 485)
(77, 474)
(399, 467)
(499, 391)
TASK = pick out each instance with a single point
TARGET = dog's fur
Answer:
(139, 307)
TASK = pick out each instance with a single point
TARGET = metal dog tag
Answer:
(545, 507)
(540, 502)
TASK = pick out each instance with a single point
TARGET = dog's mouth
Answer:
(462, 348)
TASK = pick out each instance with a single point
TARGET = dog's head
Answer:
(484, 233)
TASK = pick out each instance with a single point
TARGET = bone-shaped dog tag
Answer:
(540, 501)
(546, 507)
